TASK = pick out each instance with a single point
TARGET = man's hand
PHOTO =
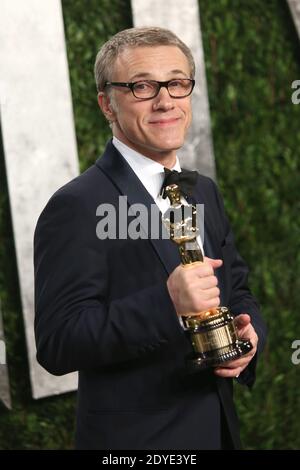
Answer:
(193, 288)
(245, 330)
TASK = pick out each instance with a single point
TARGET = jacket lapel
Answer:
(127, 183)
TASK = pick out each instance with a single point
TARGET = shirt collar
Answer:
(150, 173)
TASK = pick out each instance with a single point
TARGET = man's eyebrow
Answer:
(141, 75)
(178, 71)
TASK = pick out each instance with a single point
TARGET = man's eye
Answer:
(176, 84)
(142, 86)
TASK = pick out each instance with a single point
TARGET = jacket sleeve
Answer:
(241, 298)
(75, 326)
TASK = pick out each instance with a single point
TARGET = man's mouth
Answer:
(164, 122)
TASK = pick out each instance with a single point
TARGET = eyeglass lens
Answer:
(150, 88)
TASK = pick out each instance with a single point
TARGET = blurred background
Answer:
(251, 57)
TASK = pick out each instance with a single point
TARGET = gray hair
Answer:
(131, 38)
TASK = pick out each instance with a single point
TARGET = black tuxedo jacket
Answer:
(103, 309)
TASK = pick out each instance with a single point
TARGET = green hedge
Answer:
(252, 57)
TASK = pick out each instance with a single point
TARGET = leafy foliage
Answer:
(252, 58)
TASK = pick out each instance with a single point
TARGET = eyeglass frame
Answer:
(164, 84)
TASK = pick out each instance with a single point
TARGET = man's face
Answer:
(155, 127)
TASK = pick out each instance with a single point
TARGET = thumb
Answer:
(215, 263)
(242, 320)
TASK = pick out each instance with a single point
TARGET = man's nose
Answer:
(163, 100)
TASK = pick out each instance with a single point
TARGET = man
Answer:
(111, 308)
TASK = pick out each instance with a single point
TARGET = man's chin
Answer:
(156, 148)
(168, 144)
(172, 147)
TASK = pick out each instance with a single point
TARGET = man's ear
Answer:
(104, 102)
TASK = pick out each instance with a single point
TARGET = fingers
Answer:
(214, 263)
(209, 282)
(232, 369)
(195, 289)
(241, 362)
(202, 305)
(242, 320)
(211, 293)
(205, 268)
(201, 270)
(201, 300)
(229, 373)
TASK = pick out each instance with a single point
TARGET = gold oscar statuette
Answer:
(213, 333)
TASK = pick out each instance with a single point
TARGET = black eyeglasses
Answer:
(147, 89)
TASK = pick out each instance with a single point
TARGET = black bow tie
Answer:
(185, 180)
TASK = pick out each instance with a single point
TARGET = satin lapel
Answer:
(127, 183)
